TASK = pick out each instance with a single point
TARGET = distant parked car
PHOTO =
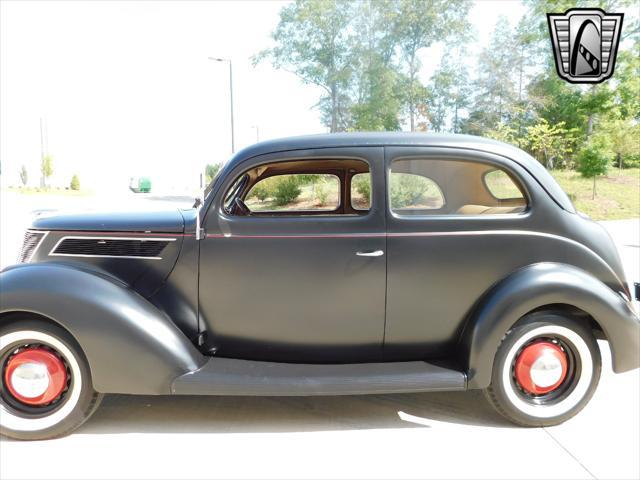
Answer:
(140, 184)
(372, 263)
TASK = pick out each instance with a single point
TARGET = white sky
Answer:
(126, 88)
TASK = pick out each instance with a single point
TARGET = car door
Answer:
(296, 288)
(448, 246)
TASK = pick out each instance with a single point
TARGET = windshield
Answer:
(207, 189)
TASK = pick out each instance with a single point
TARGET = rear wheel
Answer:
(545, 371)
(46, 388)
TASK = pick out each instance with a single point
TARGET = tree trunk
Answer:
(593, 194)
(334, 108)
(619, 161)
(589, 124)
(412, 107)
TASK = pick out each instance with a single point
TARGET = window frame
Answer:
(455, 155)
(218, 205)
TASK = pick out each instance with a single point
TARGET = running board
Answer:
(224, 376)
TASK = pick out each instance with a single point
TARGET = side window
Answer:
(501, 186)
(429, 186)
(408, 191)
(295, 192)
(361, 191)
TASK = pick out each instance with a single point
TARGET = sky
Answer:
(126, 88)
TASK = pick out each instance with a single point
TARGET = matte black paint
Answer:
(292, 289)
(118, 221)
(131, 346)
(547, 284)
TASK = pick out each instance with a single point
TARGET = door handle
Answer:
(374, 253)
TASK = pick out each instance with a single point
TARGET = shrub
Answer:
(321, 191)
(75, 183)
(261, 191)
(407, 190)
(362, 184)
(287, 190)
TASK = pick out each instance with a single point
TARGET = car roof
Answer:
(381, 139)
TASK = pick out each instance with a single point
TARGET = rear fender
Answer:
(536, 286)
(131, 346)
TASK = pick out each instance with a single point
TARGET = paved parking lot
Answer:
(443, 435)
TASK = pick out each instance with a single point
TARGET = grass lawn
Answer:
(617, 193)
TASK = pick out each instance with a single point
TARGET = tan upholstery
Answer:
(486, 210)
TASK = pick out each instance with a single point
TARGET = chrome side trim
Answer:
(74, 237)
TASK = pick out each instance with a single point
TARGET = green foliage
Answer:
(321, 191)
(46, 167)
(550, 144)
(211, 171)
(366, 57)
(362, 184)
(287, 189)
(75, 183)
(261, 191)
(503, 133)
(24, 176)
(312, 40)
(407, 190)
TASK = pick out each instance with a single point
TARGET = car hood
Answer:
(170, 221)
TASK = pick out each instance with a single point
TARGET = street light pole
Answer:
(233, 143)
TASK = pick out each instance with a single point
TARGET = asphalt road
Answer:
(442, 435)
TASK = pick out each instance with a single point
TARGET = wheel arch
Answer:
(130, 345)
(547, 286)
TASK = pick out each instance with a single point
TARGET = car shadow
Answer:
(199, 414)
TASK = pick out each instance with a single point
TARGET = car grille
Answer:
(110, 247)
(29, 244)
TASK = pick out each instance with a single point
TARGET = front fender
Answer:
(131, 346)
(536, 286)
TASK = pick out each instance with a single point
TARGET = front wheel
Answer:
(46, 388)
(545, 371)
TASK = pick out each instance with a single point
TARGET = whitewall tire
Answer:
(545, 371)
(45, 387)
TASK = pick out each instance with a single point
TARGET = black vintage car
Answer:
(323, 265)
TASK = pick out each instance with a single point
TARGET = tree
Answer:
(75, 183)
(24, 177)
(46, 167)
(417, 25)
(503, 133)
(592, 163)
(312, 40)
(449, 90)
(496, 92)
(210, 172)
(376, 92)
(549, 143)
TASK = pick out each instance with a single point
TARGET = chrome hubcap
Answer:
(30, 380)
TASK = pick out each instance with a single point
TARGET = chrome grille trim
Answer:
(30, 243)
(165, 241)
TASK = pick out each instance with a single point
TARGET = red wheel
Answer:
(45, 381)
(36, 375)
(541, 367)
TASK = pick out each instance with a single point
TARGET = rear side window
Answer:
(431, 186)
(501, 186)
(295, 192)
